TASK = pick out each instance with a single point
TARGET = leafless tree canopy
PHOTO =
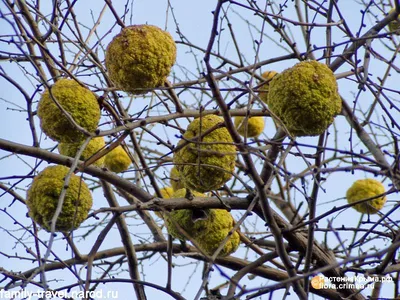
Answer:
(287, 194)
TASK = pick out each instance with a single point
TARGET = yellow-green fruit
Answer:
(249, 127)
(78, 101)
(394, 25)
(214, 230)
(364, 189)
(305, 98)
(263, 94)
(166, 193)
(205, 163)
(175, 180)
(140, 57)
(117, 160)
(43, 195)
(182, 217)
(94, 146)
(208, 233)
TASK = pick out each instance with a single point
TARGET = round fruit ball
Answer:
(263, 94)
(249, 127)
(78, 101)
(94, 146)
(207, 233)
(207, 161)
(365, 189)
(182, 217)
(394, 25)
(213, 230)
(43, 195)
(305, 98)
(166, 193)
(140, 58)
(117, 160)
(175, 179)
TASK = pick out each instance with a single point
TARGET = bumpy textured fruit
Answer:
(394, 25)
(208, 233)
(166, 193)
(254, 126)
(78, 101)
(364, 189)
(205, 164)
(305, 98)
(140, 57)
(263, 94)
(43, 195)
(94, 146)
(175, 179)
(117, 160)
(214, 230)
(183, 217)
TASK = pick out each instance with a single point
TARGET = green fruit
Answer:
(205, 164)
(207, 233)
(94, 146)
(305, 98)
(364, 189)
(182, 217)
(394, 25)
(214, 230)
(175, 180)
(263, 94)
(117, 160)
(249, 127)
(140, 58)
(166, 193)
(43, 195)
(78, 101)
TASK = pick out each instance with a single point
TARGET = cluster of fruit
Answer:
(62, 109)
(304, 100)
(204, 161)
(137, 59)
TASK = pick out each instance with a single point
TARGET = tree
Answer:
(287, 193)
